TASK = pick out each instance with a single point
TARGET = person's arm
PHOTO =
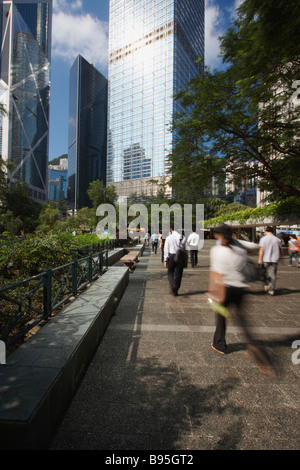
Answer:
(260, 254)
(280, 249)
(166, 251)
(249, 246)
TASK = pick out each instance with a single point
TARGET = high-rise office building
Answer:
(25, 31)
(87, 132)
(153, 50)
(58, 177)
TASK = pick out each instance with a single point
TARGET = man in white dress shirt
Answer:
(193, 242)
(175, 270)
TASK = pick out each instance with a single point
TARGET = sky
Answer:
(81, 27)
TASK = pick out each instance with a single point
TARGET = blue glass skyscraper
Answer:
(87, 132)
(153, 50)
(25, 31)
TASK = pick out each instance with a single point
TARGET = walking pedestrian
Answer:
(293, 248)
(154, 239)
(269, 254)
(162, 240)
(193, 242)
(175, 268)
(227, 261)
(147, 237)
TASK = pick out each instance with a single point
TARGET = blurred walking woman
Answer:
(227, 259)
(227, 263)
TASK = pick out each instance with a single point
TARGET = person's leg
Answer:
(295, 255)
(219, 340)
(272, 275)
(178, 271)
(192, 254)
(271, 269)
(171, 268)
(254, 351)
(239, 313)
(162, 251)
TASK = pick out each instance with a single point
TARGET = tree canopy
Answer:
(99, 194)
(245, 119)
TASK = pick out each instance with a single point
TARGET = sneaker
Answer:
(267, 288)
(271, 292)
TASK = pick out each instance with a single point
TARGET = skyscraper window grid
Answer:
(153, 50)
(25, 90)
(87, 131)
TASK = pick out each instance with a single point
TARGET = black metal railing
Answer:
(32, 301)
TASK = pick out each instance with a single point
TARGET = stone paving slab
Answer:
(156, 384)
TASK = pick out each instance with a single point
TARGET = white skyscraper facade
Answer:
(154, 47)
(25, 29)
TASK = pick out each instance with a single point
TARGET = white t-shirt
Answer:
(292, 245)
(229, 261)
(272, 246)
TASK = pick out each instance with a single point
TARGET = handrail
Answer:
(35, 303)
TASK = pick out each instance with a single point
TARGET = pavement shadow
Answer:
(278, 291)
(177, 409)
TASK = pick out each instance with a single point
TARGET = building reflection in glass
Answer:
(25, 29)
(153, 50)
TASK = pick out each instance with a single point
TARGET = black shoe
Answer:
(175, 293)
(218, 350)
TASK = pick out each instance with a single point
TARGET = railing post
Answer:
(100, 261)
(47, 292)
(90, 268)
(74, 275)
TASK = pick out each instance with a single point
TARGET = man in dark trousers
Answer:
(175, 269)
(270, 252)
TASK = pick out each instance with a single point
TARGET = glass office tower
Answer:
(87, 132)
(25, 30)
(153, 50)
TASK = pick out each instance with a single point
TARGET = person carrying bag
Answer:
(227, 287)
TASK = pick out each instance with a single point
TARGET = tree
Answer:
(244, 121)
(11, 223)
(48, 218)
(16, 200)
(99, 194)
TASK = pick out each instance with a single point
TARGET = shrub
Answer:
(25, 258)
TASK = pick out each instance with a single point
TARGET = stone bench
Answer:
(40, 378)
(130, 260)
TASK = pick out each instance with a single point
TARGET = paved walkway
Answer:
(156, 384)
